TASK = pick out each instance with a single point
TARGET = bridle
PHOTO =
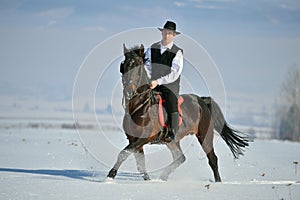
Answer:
(129, 83)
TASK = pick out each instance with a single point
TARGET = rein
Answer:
(136, 94)
(145, 101)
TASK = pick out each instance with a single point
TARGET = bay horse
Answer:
(201, 116)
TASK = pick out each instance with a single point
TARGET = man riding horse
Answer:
(164, 63)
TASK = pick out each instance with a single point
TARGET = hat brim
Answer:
(161, 29)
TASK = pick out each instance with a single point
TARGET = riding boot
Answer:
(173, 126)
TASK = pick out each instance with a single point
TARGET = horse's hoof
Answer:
(218, 178)
(218, 181)
(146, 177)
(112, 173)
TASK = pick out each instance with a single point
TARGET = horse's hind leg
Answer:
(123, 155)
(213, 162)
(141, 164)
(205, 138)
(178, 159)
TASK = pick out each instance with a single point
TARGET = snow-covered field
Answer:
(50, 162)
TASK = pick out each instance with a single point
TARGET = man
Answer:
(164, 67)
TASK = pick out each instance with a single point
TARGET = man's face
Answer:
(167, 36)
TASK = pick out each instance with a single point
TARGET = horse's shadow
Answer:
(74, 174)
(87, 175)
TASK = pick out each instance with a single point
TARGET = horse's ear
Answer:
(125, 50)
(141, 51)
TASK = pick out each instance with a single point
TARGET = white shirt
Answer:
(176, 68)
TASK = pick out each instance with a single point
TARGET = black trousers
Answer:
(171, 97)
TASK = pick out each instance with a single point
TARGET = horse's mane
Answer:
(134, 51)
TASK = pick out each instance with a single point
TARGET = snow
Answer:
(43, 162)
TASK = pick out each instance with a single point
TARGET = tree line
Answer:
(287, 115)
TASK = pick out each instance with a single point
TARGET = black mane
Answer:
(134, 51)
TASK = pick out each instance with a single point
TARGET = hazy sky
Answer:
(43, 43)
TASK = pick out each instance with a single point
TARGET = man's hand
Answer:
(153, 84)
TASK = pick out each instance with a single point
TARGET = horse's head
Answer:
(133, 73)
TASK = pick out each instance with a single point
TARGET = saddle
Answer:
(163, 115)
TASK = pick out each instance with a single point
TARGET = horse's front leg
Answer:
(140, 163)
(178, 159)
(123, 155)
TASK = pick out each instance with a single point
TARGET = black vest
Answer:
(162, 63)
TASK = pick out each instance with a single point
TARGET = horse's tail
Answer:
(234, 139)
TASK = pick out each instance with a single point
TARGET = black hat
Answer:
(170, 26)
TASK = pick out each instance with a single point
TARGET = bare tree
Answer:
(291, 87)
(288, 114)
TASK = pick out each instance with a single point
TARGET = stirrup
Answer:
(170, 137)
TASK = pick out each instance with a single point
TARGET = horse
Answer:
(201, 116)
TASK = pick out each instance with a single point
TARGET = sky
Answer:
(43, 43)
